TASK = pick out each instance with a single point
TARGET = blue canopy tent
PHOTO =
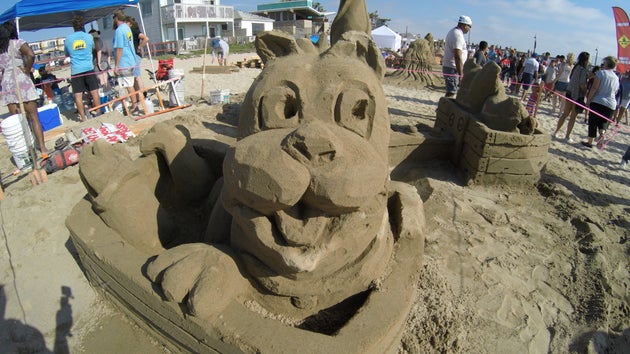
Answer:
(32, 15)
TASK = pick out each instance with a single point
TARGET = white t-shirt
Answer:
(454, 40)
(564, 70)
(608, 86)
(530, 66)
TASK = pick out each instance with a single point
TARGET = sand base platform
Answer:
(375, 325)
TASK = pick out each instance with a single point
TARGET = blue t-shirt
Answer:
(79, 46)
(123, 38)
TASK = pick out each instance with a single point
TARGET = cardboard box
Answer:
(49, 116)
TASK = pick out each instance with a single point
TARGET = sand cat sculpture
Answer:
(299, 220)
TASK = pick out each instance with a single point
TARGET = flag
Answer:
(623, 39)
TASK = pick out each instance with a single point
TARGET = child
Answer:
(534, 98)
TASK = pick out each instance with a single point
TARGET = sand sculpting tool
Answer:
(37, 175)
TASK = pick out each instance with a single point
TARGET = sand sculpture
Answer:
(482, 93)
(495, 139)
(301, 217)
(418, 61)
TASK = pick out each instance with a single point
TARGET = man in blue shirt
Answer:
(79, 46)
(125, 60)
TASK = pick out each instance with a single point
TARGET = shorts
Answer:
(596, 122)
(527, 80)
(560, 86)
(125, 81)
(85, 81)
(625, 103)
(136, 69)
(579, 107)
(125, 76)
(451, 79)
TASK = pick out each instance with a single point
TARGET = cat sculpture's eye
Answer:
(279, 108)
(354, 111)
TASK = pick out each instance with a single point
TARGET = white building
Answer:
(247, 24)
(176, 20)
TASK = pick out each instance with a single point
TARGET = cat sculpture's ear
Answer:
(350, 35)
(275, 44)
(361, 46)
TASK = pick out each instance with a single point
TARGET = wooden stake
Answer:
(203, 73)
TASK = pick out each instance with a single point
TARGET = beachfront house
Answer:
(299, 18)
(247, 25)
(183, 25)
(172, 21)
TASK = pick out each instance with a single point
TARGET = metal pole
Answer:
(534, 45)
(596, 53)
(148, 48)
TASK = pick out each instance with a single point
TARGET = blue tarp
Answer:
(40, 14)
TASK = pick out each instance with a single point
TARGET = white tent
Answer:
(386, 38)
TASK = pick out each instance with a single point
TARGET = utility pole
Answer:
(596, 53)
(534, 45)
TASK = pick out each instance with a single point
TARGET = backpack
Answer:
(64, 155)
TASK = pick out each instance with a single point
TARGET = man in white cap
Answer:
(455, 54)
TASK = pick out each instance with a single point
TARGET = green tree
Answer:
(318, 7)
(377, 21)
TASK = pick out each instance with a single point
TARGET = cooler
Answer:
(49, 116)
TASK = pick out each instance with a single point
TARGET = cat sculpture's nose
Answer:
(312, 143)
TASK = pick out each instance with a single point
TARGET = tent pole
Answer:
(17, 25)
(148, 48)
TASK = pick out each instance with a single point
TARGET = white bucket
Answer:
(12, 131)
(219, 96)
(176, 90)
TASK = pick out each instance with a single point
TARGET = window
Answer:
(147, 9)
(257, 27)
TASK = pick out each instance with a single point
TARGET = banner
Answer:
(623, 39)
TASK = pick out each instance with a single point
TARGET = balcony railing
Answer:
(196, 13)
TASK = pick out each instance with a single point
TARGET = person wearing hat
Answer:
(220, 50)
(455, 54)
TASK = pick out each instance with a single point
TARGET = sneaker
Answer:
(557, 136)
(569, 140)
(624, 163)
(588, 145)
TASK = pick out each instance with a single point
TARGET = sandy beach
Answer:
(507, 269)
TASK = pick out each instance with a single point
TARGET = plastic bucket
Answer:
(176, 90)
(12, 132)
(57, 100)
(68, 101)
(219, 96)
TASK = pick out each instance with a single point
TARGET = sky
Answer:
(560, 26)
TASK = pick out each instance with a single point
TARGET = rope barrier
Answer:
(427, 72)
(602, 142)
(75, 76)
